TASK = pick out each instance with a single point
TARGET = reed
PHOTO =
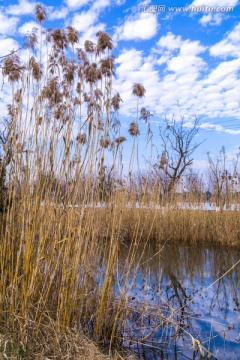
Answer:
(59, 251)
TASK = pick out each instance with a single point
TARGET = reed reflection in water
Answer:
(176, 312)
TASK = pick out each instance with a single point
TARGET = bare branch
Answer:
(178, 147)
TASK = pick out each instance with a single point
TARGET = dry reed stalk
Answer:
(59, 261)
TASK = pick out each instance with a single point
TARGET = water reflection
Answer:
(176, 310)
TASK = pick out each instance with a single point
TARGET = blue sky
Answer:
(188, 61)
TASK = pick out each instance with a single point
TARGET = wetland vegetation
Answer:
(94, 257)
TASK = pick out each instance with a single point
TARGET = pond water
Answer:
(184, 301)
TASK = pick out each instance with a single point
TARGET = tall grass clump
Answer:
(58, 250)
(54, 267)
(60, 275)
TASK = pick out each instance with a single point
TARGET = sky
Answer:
(186, 54)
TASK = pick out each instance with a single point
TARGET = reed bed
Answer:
(62, 157)
(190, 226)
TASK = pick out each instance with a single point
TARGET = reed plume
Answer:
(40, 13)
(138, 90)
(133, 129)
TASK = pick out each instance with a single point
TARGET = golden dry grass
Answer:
(68, 344)
(59, 263)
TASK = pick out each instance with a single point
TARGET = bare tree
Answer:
(221, 178)
(217, 170)
(178, 141)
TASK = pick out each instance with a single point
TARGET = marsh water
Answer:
(185, 302)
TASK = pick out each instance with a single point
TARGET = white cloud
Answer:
(187, 59)
(84, 20)
(23, 7)
(100, 4)
(27, 27)
(7, 45)
(134, 68)
(96, 5)
(170, 41)
(162, 60)
(212, 19)
(232, 132)
(128, 60)
(76, 4)
(184, 85)
(90, 33)
(229, 46)
(183, 63)
(87, 22)
(8, 24)
(219, 128)
(142, 27)
(234, 35)
(205, 19)
(191, 48)
(223, 70)
(56, 14)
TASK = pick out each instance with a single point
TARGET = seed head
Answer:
(92, 73)
(81, 55)
(18, 96)
(145, 114)
(12, 68)
(72, 35)
(107, 66)
(82, 138)
(104, 42)
(31, 39)
(36, 68)
(60, 111)
(11, 110)
(93, 106)
(86, 98)
(138, 90)
(98, 94)
(48, 34)
(100, 124)
(105, 142)
(133, 129)
(116, 99)
(76, 101)
(120, 139)
(163, 161)
(89, 46)
(40, 13)
(69, 69)
(51, 91)
(78, 88)
(59, 38)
